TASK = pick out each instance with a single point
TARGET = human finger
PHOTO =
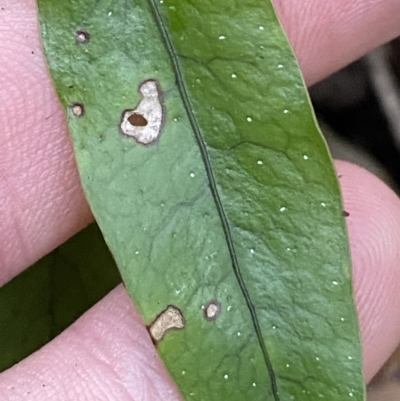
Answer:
(374, 232)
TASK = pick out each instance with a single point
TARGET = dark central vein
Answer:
(215, 193)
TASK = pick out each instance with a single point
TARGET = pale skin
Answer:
(107, 353)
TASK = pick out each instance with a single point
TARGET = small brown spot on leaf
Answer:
(171, 318)
(137, 120)
(211, 310)
(345, 214)
(78, 109)
(82, 36)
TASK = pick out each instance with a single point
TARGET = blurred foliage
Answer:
(46, 298)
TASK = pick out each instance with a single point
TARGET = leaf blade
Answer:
(215, 193)
(138, 183)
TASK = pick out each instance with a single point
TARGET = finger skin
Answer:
(42, 203)
(328, 35)
(107, 354)
(41, 200)
(374, 232)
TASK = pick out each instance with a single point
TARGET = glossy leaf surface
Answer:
(220, 200)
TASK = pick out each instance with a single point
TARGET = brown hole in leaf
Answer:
(78, 109)
(137, 120)
(149, 110)
(82, 36)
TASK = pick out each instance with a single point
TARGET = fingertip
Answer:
(42, 202)
(327, 35)
(374, 232)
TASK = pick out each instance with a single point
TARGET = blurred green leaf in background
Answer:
(46, 298)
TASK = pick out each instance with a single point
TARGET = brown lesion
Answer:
(82, 36)
(169, 319)
(137, 120)
(78, 109)
(144, 123)
(212, 310)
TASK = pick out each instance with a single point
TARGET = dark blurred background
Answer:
(359, 112)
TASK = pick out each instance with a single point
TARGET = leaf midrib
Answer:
(214, 191)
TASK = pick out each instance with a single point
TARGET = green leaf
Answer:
(199, 154)
(46, 298)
